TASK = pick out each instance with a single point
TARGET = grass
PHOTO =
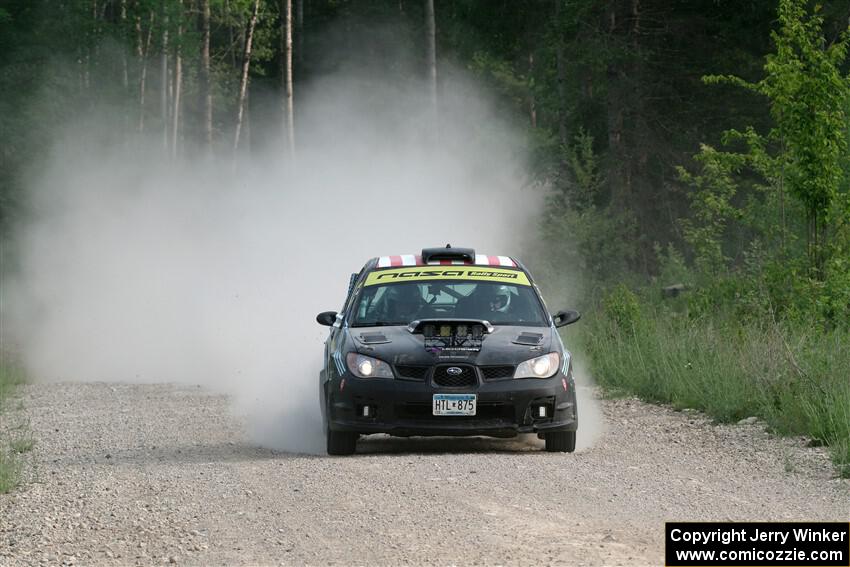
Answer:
(22, 444)
(11, 375)
(794, 377)
(10, 471)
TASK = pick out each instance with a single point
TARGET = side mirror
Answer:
(326, 318)
(564, 318)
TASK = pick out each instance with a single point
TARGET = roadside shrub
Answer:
(621, 306)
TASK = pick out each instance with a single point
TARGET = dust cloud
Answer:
(134, 267)
(591, 422)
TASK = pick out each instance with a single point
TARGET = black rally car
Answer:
(448, 342)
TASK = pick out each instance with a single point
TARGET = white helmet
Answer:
(498, 298)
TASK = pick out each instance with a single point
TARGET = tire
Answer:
(561, 442)
(341, 442)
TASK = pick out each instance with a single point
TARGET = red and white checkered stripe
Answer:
(402, 260)
(482, 260)
(398, 261)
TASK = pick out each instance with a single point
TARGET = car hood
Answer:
(504, 345)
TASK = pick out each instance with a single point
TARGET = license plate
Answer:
(454, 404)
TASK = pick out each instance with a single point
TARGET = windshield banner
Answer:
(473, 273)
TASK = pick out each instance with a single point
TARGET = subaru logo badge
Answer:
(454, 370)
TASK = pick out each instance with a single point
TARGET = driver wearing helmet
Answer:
(403, 303)
(494, 299)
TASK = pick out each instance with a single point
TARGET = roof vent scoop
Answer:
(448, 253)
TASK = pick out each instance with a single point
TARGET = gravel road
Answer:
(154, 474)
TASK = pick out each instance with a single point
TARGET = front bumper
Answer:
(505, 408)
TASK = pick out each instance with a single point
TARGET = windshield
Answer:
(399, 304)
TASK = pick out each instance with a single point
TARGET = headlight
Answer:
(541, 367)
(367, 367)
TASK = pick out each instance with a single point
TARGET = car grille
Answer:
(466, 377)
(497, 372)
(412, 372)
(442, 378)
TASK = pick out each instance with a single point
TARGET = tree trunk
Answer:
(640, 139)
(616, 105)
(247, 123)
(81, 81)
(178, 85)
(204, 76)
(781, 187)
(246, 66)
(286, 51)
(230, 33)
(817, 238)
(643, 197)
(163, 59)
(562, 73)
(125, 72)
(532, 102)
(299, 33)
(431, 57)
(96, 24)
(143, 46)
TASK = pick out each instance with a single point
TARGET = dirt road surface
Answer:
(156, 474)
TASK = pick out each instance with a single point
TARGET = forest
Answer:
(692, 156)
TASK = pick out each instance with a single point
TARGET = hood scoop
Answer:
(451, 335)
(528, 339)
(373, 339)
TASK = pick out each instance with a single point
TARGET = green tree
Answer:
(808, 95)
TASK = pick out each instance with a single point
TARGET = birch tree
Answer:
(204, 75)
(178, 83)
(163, 56)
(143, 45)
(246, 65)
(431, 57)
(286, 64)
(125, 74)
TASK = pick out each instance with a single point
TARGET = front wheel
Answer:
(561, 441)
(341, 442)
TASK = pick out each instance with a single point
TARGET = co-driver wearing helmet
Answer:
(403, 303)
